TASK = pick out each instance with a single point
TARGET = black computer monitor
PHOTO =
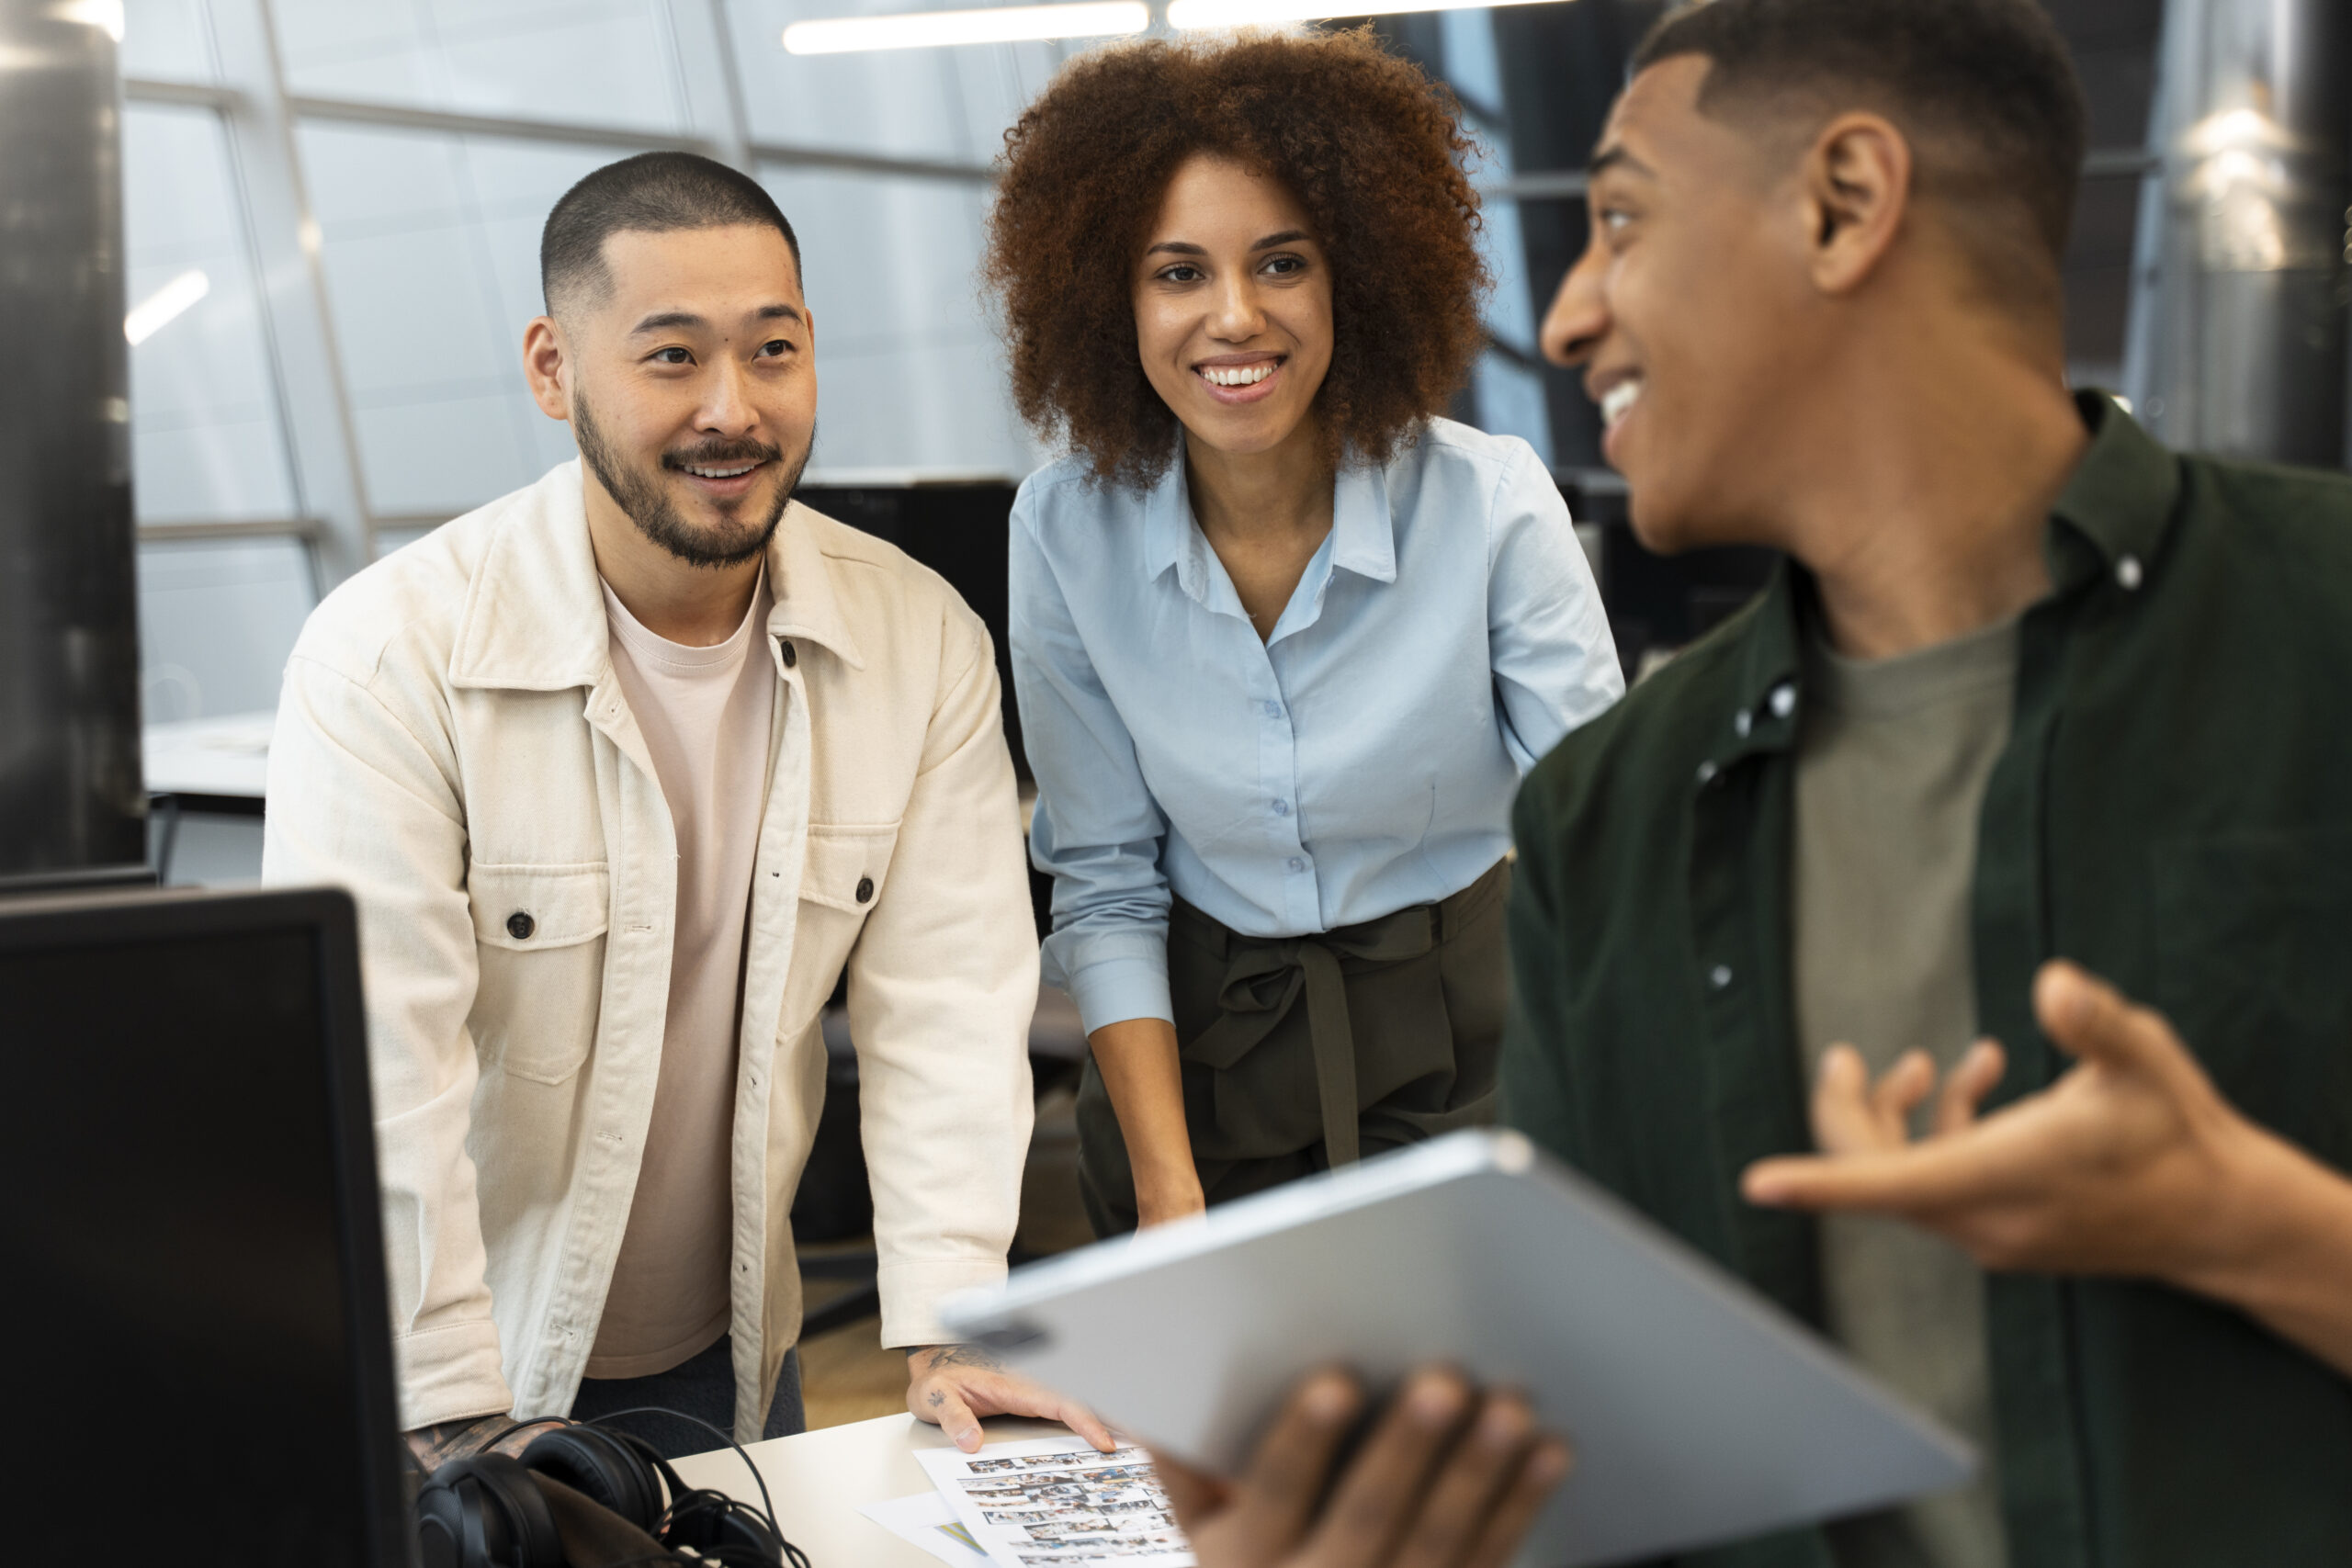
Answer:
(198, 1367)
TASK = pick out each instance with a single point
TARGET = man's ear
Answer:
(1856, 188)
(546, 365)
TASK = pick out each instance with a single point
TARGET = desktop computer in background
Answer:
(199, 1359)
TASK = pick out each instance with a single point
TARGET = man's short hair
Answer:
(653, 193)
(1987, 86)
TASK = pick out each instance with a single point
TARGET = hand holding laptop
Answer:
(1447, 1479)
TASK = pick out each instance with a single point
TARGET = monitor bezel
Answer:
(327, 916)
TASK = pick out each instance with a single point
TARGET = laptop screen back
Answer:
(192, 1350)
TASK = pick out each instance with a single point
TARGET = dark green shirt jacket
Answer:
(2174, 810)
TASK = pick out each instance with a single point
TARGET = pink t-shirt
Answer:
(706, 714)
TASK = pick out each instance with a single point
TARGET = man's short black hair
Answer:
(1988, 82)
(653, 193)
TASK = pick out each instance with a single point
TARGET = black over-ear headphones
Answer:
(486, 1512)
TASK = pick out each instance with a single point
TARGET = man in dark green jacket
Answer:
(2028, 685)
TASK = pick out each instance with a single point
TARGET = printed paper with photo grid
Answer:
(1057, 1503)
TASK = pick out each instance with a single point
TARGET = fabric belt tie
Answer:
(1264, 979)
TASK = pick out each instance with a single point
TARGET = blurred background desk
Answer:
(206, 779)
(819, 1480)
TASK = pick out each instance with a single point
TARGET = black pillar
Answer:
(72, 796)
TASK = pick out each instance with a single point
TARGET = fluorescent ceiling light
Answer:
(1008, 24)
(162, 307)
(1263, 13)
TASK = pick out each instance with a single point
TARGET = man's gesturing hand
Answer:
(2131, 1163)
(1446, 1480)
(952, 1386)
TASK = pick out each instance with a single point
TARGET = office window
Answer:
(947, 105)
(430, 247)
(168, 41)
(911, 371)
(602, 62)
(207, 440)
(1509, 380)
(1507, 391)
(216, 618)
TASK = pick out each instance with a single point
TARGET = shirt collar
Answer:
(801, 580)
(1764, 718)
(1363, 534)
(534, 615)
(535, 610)
(1168, 530)
(2120, 498)
(2120, 502)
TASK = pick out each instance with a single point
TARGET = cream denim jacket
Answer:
(452, 746)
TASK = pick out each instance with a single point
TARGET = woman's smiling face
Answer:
(1233, 307)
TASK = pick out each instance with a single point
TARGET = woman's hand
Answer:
(1448, 1479)
(1138, 1059)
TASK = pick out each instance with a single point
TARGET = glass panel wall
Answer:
(216, 618)
(910, 374)
(206, 438)
(430, 248)
(168, 41)
(595, 62)
(1507, 387)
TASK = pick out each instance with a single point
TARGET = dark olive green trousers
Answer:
(1302, 1052)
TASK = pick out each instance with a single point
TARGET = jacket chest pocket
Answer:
(843, 875)
(540, 940)
(2254, 945)
(846, 867)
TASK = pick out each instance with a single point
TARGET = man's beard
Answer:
(645, 497)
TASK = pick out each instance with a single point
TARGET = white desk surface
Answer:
(819, 1480)
(228, 755)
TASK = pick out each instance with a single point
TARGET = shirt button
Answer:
(1281, 807)
(1741, 722)
(520, 926)
(1297, 862)
(866, 890)
(1719, 977)
(1706, 773)
(785, 651)
(1784, 700)
(1274, 710)
(2128, 574)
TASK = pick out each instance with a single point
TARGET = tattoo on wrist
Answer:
(437, 1445)
(938, 1355)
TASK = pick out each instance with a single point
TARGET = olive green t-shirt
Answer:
(1892, 756)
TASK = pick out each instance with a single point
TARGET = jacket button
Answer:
(866, 890)
(520, 926)
(785, 651)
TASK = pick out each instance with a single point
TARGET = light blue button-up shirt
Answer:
(1361, 759)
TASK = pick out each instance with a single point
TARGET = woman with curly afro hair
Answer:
(1283, 638)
